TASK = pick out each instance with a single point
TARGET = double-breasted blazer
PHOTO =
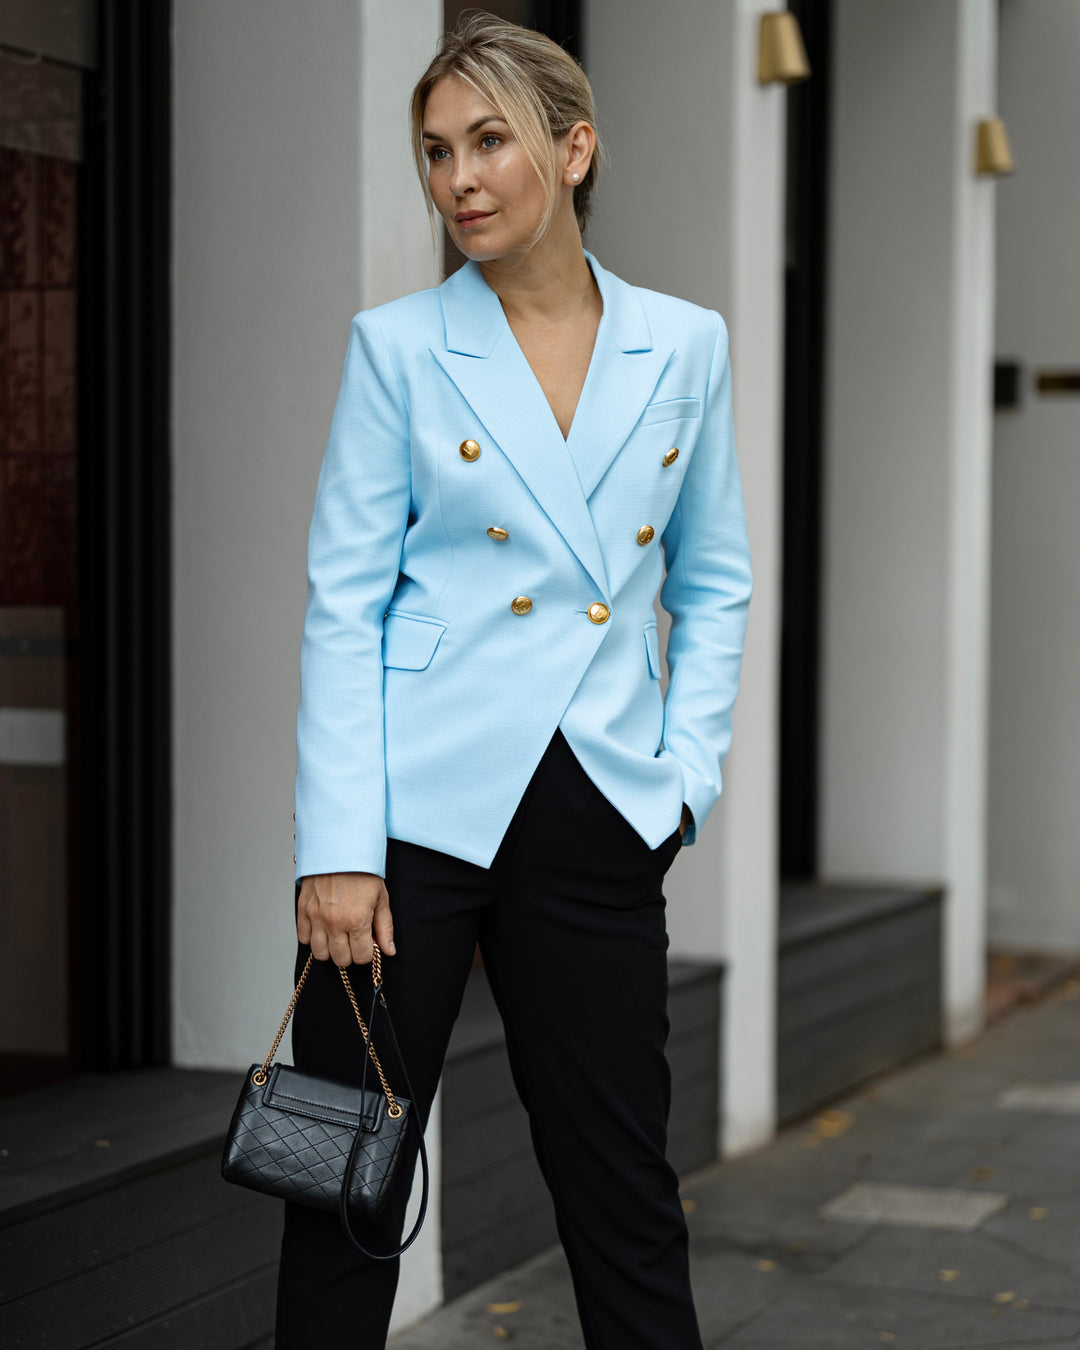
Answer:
(475, 581)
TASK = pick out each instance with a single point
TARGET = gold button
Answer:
(469, 450)
(497, 532)
(521, 604)
(599, 612)
(646, 534)
(670, 458)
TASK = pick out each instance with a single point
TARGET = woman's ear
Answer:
(580, 143)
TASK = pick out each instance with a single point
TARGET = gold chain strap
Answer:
(393, 1110)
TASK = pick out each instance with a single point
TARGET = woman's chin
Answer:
(477, 248)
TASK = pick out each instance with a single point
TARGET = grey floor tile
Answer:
(962, 1265)
(1047, 1230)
(914, 1206)
(1025, 1167)
(545, 1318)
(851, 1317)
(1040, 1128)
(731, 1288)
(1061, 1097)
(775, 1220)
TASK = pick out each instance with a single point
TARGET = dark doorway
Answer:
(804, 343)
(84, 540)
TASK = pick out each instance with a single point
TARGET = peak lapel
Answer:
(483, 359)
(622, 377)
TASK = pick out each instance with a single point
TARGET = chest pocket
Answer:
(652, 649)
(409, 640)
(670, 410)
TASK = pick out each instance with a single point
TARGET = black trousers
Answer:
(570, 921)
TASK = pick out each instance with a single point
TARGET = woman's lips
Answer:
(468, 219)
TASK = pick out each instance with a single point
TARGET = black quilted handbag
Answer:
(320, 1141)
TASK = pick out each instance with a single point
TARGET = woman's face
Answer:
(480, 178)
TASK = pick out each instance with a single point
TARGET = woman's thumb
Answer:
(383, 926)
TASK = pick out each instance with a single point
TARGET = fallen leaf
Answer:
(832, 1122)
(103, 1143)
(886, 1336)
(765, 1264)
(513, 1306)
(689, 1206)
(1006, 1296)
(500, 1333)
(1037, 1212)
(981, 1173)
(947, 1276)
(1021, 1304)
(795, 1246)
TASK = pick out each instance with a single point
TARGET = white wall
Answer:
(295, 204)
(908, 391)
(691, 202)
(1034, 859)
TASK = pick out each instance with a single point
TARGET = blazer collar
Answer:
(475, 321)
(483, 359)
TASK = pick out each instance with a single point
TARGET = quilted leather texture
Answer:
(297, 1148)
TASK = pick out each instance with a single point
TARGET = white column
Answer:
(691, 203)
(295, 205)
(1034, 858)
(908, 398)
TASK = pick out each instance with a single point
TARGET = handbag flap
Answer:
(306, 1094)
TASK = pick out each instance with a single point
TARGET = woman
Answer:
(484, 754)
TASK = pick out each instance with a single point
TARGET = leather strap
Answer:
(378, 998)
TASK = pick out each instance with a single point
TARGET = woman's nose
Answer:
(462, 180)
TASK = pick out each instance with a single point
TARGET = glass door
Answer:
(44, 51)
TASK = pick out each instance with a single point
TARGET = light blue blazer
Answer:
(427, 696)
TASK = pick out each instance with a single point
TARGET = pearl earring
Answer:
(576, 177)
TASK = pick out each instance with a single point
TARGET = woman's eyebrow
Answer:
(473, 126)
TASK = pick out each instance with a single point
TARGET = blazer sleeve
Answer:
(353, 550)
(706, 591)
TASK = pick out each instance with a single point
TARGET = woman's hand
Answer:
(687, 819)
(339, 913)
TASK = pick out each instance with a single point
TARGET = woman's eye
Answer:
(437, 153)
(491, 136)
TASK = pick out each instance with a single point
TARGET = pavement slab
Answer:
(1062, 1097)
(961, 1265)
(835, 1316)
(918, 1206)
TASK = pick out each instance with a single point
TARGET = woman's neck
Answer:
(550, 284)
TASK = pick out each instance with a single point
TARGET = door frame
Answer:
(122, 830)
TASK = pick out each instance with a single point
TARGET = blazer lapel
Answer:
(483, 359)
(624, 372)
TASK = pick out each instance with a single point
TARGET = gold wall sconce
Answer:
(781, 54)
(992, 153)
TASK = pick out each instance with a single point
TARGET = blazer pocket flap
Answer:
(670, 410)
(409, 640)
(652, 649)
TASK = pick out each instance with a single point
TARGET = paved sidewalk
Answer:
(960, 1182)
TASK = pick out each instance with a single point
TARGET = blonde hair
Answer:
(537, 88)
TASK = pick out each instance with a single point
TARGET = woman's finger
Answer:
(340, 949)
(319, 940)
(360, 945)
(382, 925)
